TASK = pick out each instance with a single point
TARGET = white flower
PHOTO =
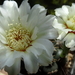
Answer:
(25, 34)
(65, 24)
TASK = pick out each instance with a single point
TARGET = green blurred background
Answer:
(51, 4)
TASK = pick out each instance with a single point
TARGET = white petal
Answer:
(71, 10)
(61, 35)
(3, 46)
(69, 40)
(8, 60)
(45, 35)
(33, 19)
(59, 11)
(45, 45)
(35, 51)
(24, 8)
(9, 4)
(38, 45)
(65, 8)
(31, 63)
(6, 56)
(44, 59)
(11, 8)
(39, 7)
(53, 33)
(48, 21)
(42, 16)
(18, 54)
(3, 23)
(2, 31)
(44, 29)
(5, 17)
(3, 39)
(3, 50)
(34, 15)
(34, 33)
(70, 44)
(69, 23)
(59, 23)
(24, 21)
(15, 68)
(60, 20)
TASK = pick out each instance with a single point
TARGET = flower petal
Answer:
(24, 21)
(6, 60)
(4, 24)
(59, 11)
(69, 40)
(24, 8)
(34, 16)
(35, 51)
(59, 23)
(48, 21)
(42, 17)
(44, 44)
(12, 7)
(31, 63)
(44, 59)
(2, 31)
(61, 35)
(53, 33)
(34, 34)
(18, 54)
(47, 34)
(3, 39)
(15, 68)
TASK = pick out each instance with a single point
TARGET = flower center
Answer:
(72, 24)
(18, 38)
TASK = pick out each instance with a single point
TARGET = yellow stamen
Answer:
(18, 38)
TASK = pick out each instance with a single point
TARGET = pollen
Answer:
(18, 38)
